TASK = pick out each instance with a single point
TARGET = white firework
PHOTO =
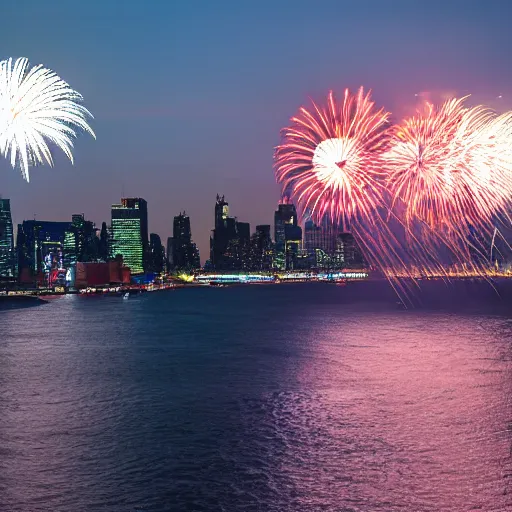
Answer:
(37, 107)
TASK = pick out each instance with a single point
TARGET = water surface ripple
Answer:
(260, 398)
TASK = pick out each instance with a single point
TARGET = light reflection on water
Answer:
(289, 398)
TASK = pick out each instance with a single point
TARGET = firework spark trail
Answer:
(444, 174)
(331, 162)
(37, 106)
(330, 158)
(451, 170)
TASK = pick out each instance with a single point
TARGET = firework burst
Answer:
(37, 107)
(330, 161)
(449, 169)
(329, 158)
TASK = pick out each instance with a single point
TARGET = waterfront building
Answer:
(329, 248)
(170, 253)
(287, 235)
(40, 246)
(104, 243)
(102, 274)
(243, 246)
(293, 241)
(230, 240)
(78, 222)
(156, 254)
(87, 242)
(320, 243)
(348, 254)
(222, 232)
(129, 233)
(261, 251)
(69, 248)
(7, 254)
(321, 237)
(185, 255)
(196, 260)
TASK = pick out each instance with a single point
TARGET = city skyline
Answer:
(230, 89)
(55, 252)
(114, 207)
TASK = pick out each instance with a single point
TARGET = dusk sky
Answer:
(189, 97)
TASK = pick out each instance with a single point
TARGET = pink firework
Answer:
(330, 159)
(330, 162)
(450, 169)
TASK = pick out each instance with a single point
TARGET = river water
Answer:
(305, 397)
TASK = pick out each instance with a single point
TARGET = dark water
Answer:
(261, 398)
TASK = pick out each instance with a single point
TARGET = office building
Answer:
(185, 255)
(348, 254)
(104, 243)
(261, 249)
(221, 234)
(287, 235)
(87, 242)
(7, 255)
(156, 263)
(129, 233)
(293, 242)
(40, 246)
(321, 244)
(70, 248)
(170, 253)
(230, 243)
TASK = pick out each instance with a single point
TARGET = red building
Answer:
(101, 274)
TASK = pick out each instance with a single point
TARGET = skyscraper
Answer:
(7, 258)
(87, 243)
(156, 254)
(170, 253)
(224, 231)
(261, 248)
(78, 222)
(184, 253)
(243, 230)
(348, 252)
(293, 241)
(221, 211)
(286, 215)
(70, 248)
(321, 244)
(242, 253)
(129, 229)
(103, 246)
(230, 240)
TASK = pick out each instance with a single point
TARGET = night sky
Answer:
(189, 96)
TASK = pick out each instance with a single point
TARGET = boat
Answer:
(126, 296)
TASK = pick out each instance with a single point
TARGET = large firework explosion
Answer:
(37, 107)
(450, 168)
(445, 174)
(330, 161)
(330, 158)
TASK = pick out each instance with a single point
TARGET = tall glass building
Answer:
(287, 234)
(129, 231)
(7, 258)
